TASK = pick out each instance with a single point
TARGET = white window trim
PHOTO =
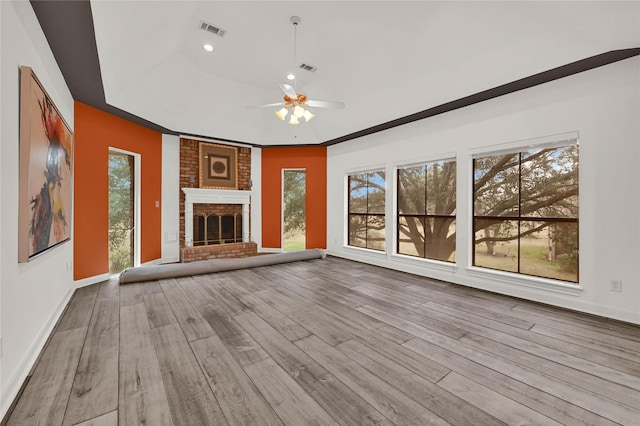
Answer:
(367, 251)
(514, 278)
(366, 169)
(345, 218)
(513, 147)
(283, 170)
(137, 197)
(424, 262)
(420, 261)
(417, 161)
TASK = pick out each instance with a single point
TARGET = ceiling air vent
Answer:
(308, 67)
(212, 29)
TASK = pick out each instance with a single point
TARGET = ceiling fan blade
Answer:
(326, 104)
(288, 90)
(277, 104)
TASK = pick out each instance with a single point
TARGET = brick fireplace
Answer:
(214, 223)
(232, 241)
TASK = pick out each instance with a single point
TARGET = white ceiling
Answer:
(385, 60)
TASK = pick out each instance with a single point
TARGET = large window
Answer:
(427, 210)
(526, 212)
(366, 210)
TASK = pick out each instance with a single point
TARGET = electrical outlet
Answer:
(616, 285)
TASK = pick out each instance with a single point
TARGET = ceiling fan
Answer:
(296, 104)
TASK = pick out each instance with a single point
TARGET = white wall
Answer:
(33, 293)
(170, 198)
(256, 197)
(2, 403)
(603, 105)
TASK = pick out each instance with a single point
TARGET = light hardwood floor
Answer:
(327, 342)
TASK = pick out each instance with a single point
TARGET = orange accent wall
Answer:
(314, 160)
(95, 132)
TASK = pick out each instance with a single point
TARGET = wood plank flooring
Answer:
(327, 342)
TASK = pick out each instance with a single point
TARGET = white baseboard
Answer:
(8, 394)
(554, 298)
(91, 280)
(103, 277)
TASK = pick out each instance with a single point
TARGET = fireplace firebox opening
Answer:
(209, 229)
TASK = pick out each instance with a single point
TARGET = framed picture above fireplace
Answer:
(218, 166)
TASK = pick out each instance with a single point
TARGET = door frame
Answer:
(295, 169)
(137, 162)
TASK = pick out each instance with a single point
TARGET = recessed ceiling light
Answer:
(291, 77)
(208, 47)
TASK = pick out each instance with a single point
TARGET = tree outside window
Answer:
(121, 206)
(526, 212)
(366, 227)
(427, 210)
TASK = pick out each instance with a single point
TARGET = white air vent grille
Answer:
(308, 67)
(212, 29)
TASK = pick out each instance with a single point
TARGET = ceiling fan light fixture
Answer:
(294, 104)
(308, 115)
(282, 114)
(298, 111)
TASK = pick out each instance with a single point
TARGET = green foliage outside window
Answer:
(366, 210)
(120, 212)
(526, 212)
(295, 198)
(427, 210)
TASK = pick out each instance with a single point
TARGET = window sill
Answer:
(366, 251)
(539, 283)
(430, 263)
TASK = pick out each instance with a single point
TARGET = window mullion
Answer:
(366, 217)
(424, 219)
(519, 206)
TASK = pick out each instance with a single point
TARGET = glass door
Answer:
(294, 198)
(121, 211)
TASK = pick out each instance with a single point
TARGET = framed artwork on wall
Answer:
(46, 165)
(218, 166)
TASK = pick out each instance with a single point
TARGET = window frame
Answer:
(349, 214)
(425, 216)
(518, 148)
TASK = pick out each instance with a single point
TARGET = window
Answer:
(366, 227)
(526, 212)
(427, 210)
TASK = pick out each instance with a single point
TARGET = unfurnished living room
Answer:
(319, 212)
